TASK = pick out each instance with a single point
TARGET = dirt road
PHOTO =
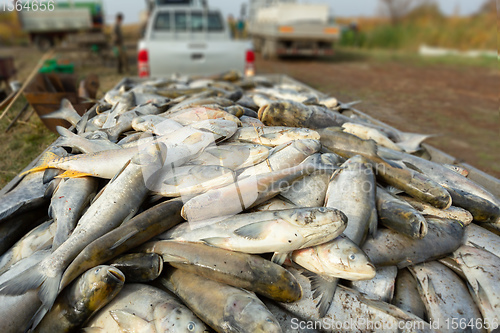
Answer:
(459, 104)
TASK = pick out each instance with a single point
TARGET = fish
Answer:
(88, 146)
(222, 307)
(68, 201)
(144, 308)
(389, 247)
(89, 293)
(283, 156)
(380, 287)
(276, 231)
(273, 136)
(192, 115)
(399, 215)
(155, 124)
(406, 296)
(244, 193)
(368, 133)
(240, 270)
(481, 268)
(250, 122)
(234, 156)
(453, 213)
(412, 182)
(138, 267)
(340, 258)
(434, 282)
(350, 309)
(107, 212)
(275, 203)
(66, 111)
(458, 169)
(106, 164)
(187, 181)
(39, 238)
(479, 237)
(124, 103)
(130, 234)
(276, 113)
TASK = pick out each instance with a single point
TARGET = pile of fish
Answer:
(235, 204)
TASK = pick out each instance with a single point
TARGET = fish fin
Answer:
(66, 111)
(32, 278)
(215, 241)
(324, 289)
(174, 258)
(123, 239)
(37, 317)
(50, 174)
(73, 174)
(255, 230)
(393, 190)
(82, 124)
(131, 323)
(412, 141)
(43, 163)
(51, 189)
(11, 210)
(412, 167)
(279, 257)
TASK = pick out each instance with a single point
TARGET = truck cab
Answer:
(189, 38)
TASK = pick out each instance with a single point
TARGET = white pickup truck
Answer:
(192, 40)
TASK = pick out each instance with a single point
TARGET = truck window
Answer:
(180, 19)
(162, 22)
(197, 21)
(215, 22)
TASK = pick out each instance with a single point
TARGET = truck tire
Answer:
(269, 50)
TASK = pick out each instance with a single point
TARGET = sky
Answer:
(349, 8)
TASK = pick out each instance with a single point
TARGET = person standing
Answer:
(119, 47)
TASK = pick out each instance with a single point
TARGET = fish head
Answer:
(97, 286)
(307, 146)
(341, 257)
(316, 225)
(176, 318)
(246, 313)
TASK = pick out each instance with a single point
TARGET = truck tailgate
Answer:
(197, 57)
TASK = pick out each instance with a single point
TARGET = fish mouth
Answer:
(116, 274)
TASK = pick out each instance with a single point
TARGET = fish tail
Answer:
(66, 111)
(29, 279)
(324, 289)
(43, 163)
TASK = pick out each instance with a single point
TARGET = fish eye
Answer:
(322, 210)
(191, 326)
(352, 257)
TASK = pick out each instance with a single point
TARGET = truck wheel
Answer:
(269, 50)
(43, 43)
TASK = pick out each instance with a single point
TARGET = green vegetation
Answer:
(426, 25)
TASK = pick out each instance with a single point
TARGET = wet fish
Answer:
(107, 212)
(367, 133)
(406, 296)
(278, 231)
(389, 247)
(380, 287)
(143, 308)
(39, 238)
(130, 234)
(453, 213)
(481, 269)
(399, 215)
(193, 115)
(187, 181)
(434, 283)
(139, 267)
(233, 156)
(239, 270)
(481, 238)
(69, 139)
(222, 307)
(68, 201)
(273, 136)
(245, 193)
(89, 293)
(155, 124)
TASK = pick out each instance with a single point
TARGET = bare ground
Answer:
(460, 104)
